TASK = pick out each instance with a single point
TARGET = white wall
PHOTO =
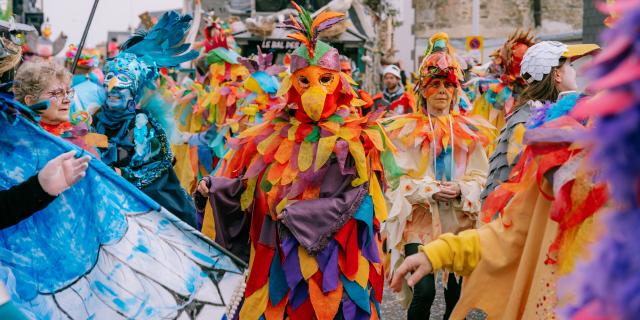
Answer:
(403, 37)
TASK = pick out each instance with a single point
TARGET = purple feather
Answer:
(329, 23)
(610, 281)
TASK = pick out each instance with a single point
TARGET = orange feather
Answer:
(302, 38)
(324, 16)
(295, 22)
(295, 5)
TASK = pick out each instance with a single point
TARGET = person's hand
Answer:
(417, 264)
(203, 189)
(448, 191)
(61, 172)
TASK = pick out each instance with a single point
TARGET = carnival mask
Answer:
(314, 84)
(124, 72)
(120, 99)
(315, 65)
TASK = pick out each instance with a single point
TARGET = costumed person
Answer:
(260, 88)
(444, 166)
(394, 99)
(116, 253)
(215, 31)
(497, 102)
(47, 84)
(605, 284)
(11, 54)
(22, 200)
(204, 108)
(257, 98)
(302, 193)
(548, 69)
(346, 68)
(42, 46)
(138, 122)
(547, 216)
(87, 80)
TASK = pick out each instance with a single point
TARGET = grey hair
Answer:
(34, 76)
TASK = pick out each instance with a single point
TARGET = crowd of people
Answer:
(253, 189)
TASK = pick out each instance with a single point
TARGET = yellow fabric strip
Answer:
(208, 223)
(379, 204)
(255, 304)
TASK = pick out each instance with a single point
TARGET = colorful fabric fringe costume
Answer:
(547, 207)
(304, 188)
(137, 121)
(606, 286)
(260, 90)
(205, 108)
(257, 97)
(497, 106)
(432, 149)
(103, 249)
(537, 63)
(496, 103)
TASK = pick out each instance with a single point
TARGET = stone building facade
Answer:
(550, 19)
(498, 18)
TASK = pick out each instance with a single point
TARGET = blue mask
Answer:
(120, 99)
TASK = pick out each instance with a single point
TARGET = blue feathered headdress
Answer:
(137, 66)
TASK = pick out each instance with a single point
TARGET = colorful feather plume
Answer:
(163, 45)
(308, 28)
(608, 286)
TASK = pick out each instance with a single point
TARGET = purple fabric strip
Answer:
(291, 265)
(328, 265)
(199, 218)
(369, 249)
(231, 224)
(268, 232)
(348, 307)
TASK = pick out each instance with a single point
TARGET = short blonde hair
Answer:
(34, 76)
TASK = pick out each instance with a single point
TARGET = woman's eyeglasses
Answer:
(59, 95)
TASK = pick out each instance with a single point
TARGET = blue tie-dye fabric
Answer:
(56, 245)
(103, 249)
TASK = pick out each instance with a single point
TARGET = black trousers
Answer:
(424, 292)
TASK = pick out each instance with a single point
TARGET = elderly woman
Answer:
(444, 168)
(45, 87)
(43, 80)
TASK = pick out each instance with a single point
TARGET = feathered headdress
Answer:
(261, 62)
(511, 55)
(439, 61)
(10, 55)
(263, 71)
(145, 53)
(313, 52)
(88, 57)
